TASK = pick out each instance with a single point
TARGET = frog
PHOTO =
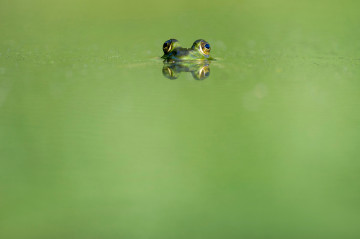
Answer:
(174, 52)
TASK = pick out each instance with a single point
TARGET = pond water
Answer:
(97, 140)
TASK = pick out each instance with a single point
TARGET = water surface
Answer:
(96, 143)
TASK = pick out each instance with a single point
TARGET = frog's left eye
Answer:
(168, 45)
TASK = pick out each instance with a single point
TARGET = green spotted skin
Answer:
(200, 51)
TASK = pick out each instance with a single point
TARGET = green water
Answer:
(96, 143)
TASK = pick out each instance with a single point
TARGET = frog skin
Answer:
(199, 70)
(173, 52)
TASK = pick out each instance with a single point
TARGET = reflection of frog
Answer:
(199, 70)
(200, 50)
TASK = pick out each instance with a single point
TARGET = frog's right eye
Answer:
(168, 45)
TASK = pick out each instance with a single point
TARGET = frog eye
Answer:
(205, 48)
(168, 45)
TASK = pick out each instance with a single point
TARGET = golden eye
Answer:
(170, 45)
(205, 48)
(167, 46)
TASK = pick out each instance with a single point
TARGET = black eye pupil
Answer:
(207, 46)
(165, 45)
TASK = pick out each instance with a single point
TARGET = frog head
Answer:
(200, 50)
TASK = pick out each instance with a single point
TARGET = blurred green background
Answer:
(96, 143)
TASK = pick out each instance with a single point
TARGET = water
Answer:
(96, 143)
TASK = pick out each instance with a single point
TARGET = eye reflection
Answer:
(199, 71)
